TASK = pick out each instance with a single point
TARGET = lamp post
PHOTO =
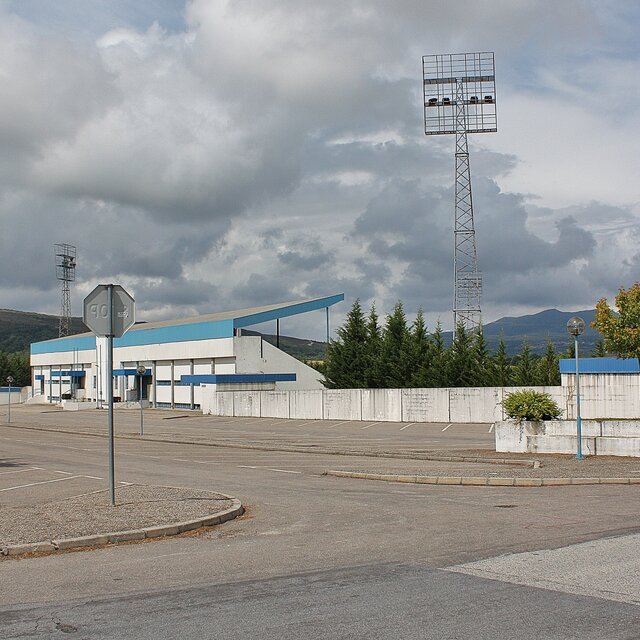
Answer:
(575, 327)
(9, 381)
(141, 371)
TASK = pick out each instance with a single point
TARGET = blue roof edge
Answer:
(600, 365)
(286, 312)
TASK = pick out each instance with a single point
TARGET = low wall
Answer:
(371, 405)
(599, 437)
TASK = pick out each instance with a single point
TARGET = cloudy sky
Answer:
(221, 154)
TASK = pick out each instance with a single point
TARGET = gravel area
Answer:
(136, 507)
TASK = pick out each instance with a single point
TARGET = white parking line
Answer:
(369, 425)
(491, 427)
(4, 473)
(33, 484)
(93, 477)
(284, 471)
(65, 473)
(406, 426)
(447, 426)
(338, 424)
(246, 466)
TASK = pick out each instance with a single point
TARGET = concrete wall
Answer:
(457, 405)
(599, 437)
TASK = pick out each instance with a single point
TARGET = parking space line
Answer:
(369, 425)
(491, 427)
(33, 484)
(284, 471)
(246, 466)
(338, 424)
(64, 473)
(447, 426)
(4, 473)
(406, 426)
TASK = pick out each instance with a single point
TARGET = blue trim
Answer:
(10, 389)
(186, 332)
(130, 372)
(285, 312)
(39, 377)
(600, 365)
(73, 343)
(240, 378)
(68, 374)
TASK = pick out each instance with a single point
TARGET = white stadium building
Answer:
(180, 358)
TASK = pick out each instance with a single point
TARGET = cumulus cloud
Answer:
(240, 153)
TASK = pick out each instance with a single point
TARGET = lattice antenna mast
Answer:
(65, 255)
(460, 98)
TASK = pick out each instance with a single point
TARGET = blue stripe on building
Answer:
(600, 365)
(237, 378)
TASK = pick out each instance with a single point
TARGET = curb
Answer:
(51, 546)
(480, 481)
(297, 449)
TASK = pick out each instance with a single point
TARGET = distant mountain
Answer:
(18, 329)
(538, 328)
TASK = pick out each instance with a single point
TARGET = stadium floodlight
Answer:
(460, 98)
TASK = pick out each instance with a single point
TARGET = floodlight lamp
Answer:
(576, 326)
(9, 379)
(141, 369)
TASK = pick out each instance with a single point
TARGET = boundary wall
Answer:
(617, 398)
(471, 404)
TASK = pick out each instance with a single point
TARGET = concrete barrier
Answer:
(225, 403)
(384, 405)
(274, 404)
(425, 405)
(559, 436)
(475, 404)
(246, 403)
(305, 404)
(342, 404)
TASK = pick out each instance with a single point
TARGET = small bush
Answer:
(530, 405)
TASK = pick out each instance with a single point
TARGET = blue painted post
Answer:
(579, 455)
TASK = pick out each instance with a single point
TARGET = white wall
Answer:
(457, 405)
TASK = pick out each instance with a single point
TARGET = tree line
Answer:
(397, 355)
(17, 366)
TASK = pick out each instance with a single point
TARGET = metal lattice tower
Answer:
(65, 256)
(459, 98)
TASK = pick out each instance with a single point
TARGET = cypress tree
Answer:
(548, 367)
(439, 369)
(502, 366)
(373, 374)
(396, 347)
(347, 356)
(525, 369)
(483, 374)
(421, 353)
(599, 350)
(461, 359)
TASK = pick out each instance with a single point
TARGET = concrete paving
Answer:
(316, 556)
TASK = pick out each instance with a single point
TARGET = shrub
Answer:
(530, 405)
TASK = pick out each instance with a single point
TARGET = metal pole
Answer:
(9, 416)
(579, 455)
(141, 414)
(112, 486)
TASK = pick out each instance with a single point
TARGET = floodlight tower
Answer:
(460, 98)
(65, 255)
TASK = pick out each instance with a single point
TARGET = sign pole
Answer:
(112, 487)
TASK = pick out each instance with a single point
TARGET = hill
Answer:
(18, 329)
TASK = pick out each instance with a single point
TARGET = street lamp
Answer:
(575, 327)
(9, 381)
(141, 371)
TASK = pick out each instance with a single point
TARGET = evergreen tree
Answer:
(461, 359)
(396, 348)
(439, 370)
(347, 357)
(525, 369)
(374, 370)
(548, 367)
(502, 366)
(599, 351)
(483, 373)
(571, 349)
(421, 353)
